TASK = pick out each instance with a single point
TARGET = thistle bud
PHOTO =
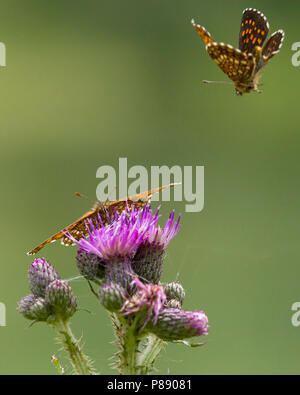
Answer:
(40, 275)
(120, 272)
(90, 266)
(34, 309)
(112, 296)
(175, 324)
(60, 298)
(147, 263)
(175, 291)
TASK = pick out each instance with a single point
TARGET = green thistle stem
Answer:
(131, 344)
(137, 351)
(128, 342)
(150, 353)
(79, 361)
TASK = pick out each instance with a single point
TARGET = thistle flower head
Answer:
(121, 238)
(33, 308)
(128, 231)
(148, 260)
(148, 297)
(40, 275)
(112, 296)
(25, 304)
(51, 300)
(90, 266)
(59, 296)
(175, 324)
(174, 291)
(26, 307)
(159, 238)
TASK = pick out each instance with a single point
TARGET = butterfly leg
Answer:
(256, 88)
(92, 289)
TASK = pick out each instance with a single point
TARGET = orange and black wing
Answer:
(77, 229)
(235, 64)
(203, 33)
(143, 197)
(273, 45)
(254, 30)
(105, 209)
(137, 201)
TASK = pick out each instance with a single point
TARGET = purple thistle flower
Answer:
(159, 239)
(131, 238)
(121, 238)
(148, 260)
(175, 324)
(149, 298)
(40, 275)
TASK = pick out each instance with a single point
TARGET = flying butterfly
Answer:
(105, 209)
(244, 66)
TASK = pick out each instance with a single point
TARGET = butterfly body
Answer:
(103, 209)
(244, 65)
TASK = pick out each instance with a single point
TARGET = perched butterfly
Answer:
(244, 66)
(105, 209)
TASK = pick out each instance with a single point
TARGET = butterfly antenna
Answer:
(92, 289)
(83, 196)
(111, 191)
(217, 82)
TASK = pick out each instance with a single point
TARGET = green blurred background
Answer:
(87, 82)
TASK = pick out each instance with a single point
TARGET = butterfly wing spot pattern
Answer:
(244, 65)
(254, 30)
(103, 209)
(273, 45)
(233, 62)
(203, 33)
